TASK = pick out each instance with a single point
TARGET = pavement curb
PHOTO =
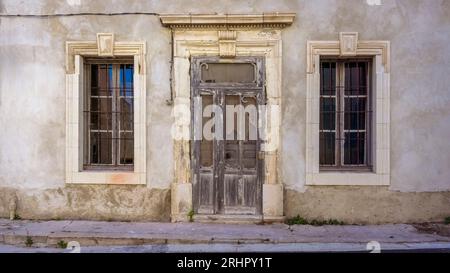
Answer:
(96, 233)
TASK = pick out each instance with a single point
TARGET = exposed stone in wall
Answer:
(367, 204)
(93, 202)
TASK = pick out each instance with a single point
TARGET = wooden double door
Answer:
(227, 162)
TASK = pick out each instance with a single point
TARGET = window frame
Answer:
(339, 154)
(76, 53)
(379, 52)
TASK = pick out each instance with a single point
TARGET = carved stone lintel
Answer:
(227, 43)
(348, 43)
(105, 44)
(90, 49)
(227, 21)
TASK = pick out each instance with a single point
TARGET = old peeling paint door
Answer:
(227, 168)
(240, 156)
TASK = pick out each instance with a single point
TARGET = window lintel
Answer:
(99, 47)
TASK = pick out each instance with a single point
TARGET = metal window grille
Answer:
(108, 114)
(345, 114)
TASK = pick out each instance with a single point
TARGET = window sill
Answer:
(347, 178)
(108, 169)
(346, 169)
(106, 177)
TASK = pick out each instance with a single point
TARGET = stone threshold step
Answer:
(236, 219)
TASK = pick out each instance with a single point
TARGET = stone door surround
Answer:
(226, 36)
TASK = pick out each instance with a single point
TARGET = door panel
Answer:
(206, 202)
(240, 154)
(206, 168)
(227, 171)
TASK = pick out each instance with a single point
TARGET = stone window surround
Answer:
(226, 36)
(75, 51)
(348, 45)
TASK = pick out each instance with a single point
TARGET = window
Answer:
(345, 115)
(105, 113)
(108, 114)
(228, 72)
(348, 112)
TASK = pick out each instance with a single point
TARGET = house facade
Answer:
(232, 112)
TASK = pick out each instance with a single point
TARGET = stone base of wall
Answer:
(89, 202)
(351, 204)
(367, 205)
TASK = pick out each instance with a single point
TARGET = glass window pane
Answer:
(250, 118)
(354, 148)
(126, 114)
(355, 113)
(251, 132)
(327, 113)
(101, 148)
(126, 105)
(206, 146)
(227, 72)
(126, 80)
(126, 122)
(101, 115)
(328, 78)
(356, 78)
(327, 148)
(126, 144)
(101, 80)
(362, 77)
(232, 131)
(94, 80)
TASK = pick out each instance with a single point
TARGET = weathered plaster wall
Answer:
(367, 204)
(99, 202)
(32, 110)
(419, 33)
(32, 113)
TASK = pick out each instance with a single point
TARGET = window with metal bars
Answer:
(345, 115)
(108, 114)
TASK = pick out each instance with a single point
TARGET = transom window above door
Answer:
(345, 122)
(108, 114)
(219, 72)
(228, 72)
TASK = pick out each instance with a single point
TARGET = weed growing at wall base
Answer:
(191, 215)
(29, 241)
(298, 220)
(62, 244)
(447, 220)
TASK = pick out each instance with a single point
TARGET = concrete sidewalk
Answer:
(132, 234)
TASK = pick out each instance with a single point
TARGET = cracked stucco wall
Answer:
(32, 106)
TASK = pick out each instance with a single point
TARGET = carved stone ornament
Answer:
(349, 43)
(227, 21)
(227, 43)
(105, 44)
